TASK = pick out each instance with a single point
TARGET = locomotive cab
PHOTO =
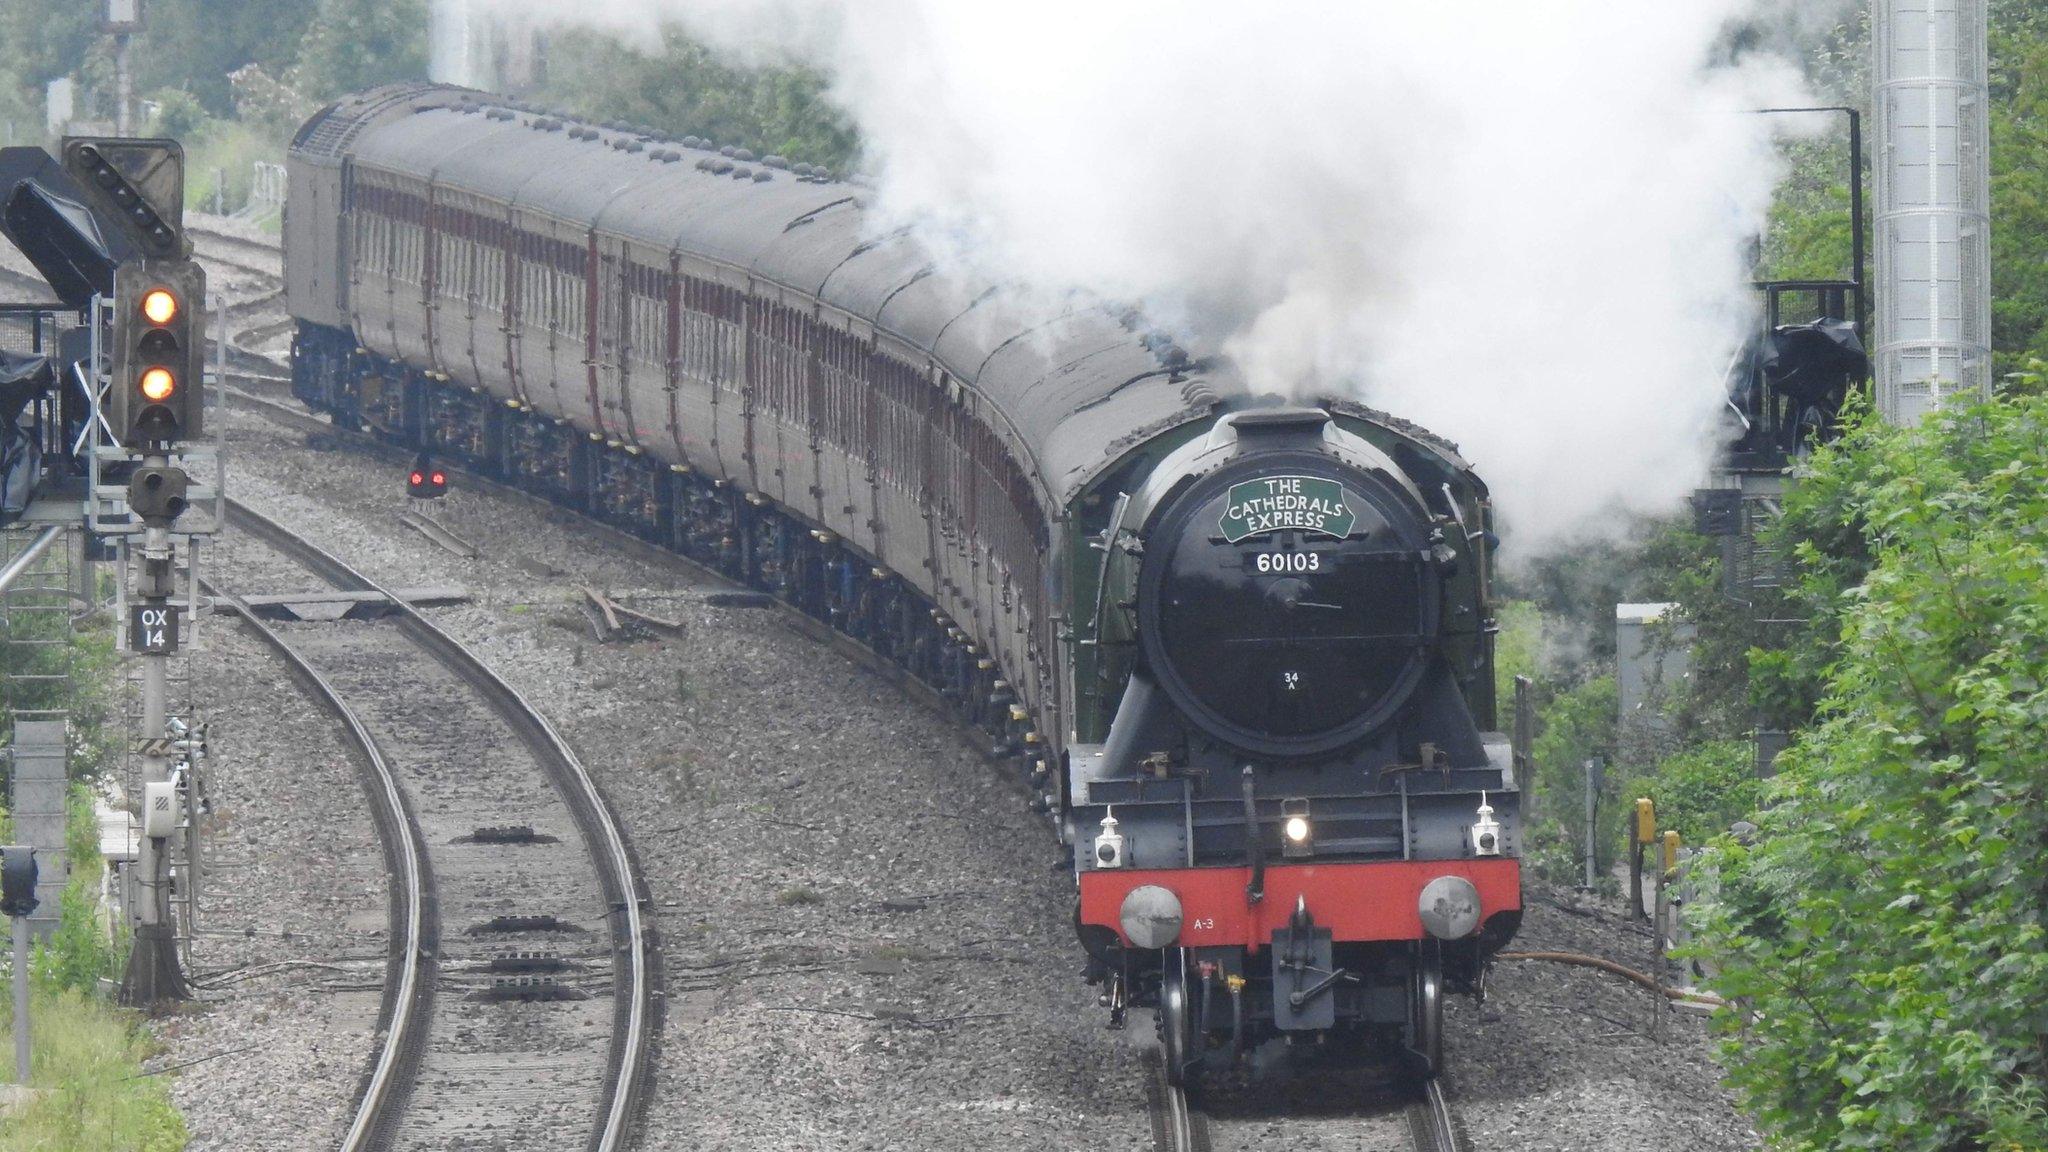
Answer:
(1296, 823)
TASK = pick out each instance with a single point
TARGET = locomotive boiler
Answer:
(1237, 649)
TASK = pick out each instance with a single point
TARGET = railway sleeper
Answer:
(508, 925)
(507, 834)
(528, 961)
(528, 988)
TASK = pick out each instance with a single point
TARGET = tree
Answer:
(2019, 197)
(193, 45)
(684, 89)
(356, 44)
(1884, 934)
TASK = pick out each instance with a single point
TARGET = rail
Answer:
(1432, 1126)
(397, 1060)
(632, 934)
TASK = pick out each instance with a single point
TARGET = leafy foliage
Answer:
(2019, 183)
(1886, 930)
(354, 44)
(683, 88)
(1703, 789)
(195, 46)
(1575, 725)
(1517, 651)
(78, 954)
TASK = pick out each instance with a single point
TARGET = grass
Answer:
(87, 1062)
(797, 897)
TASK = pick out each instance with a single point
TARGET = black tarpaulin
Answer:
(1815, 362)
(22, 379)
(1789, 383)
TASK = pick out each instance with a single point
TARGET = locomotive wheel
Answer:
(1175, 1017)
(1426, 1008)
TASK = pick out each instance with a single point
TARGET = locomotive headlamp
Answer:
(1109, 844)
(159, 306)
(1297, 835)
(1485, 831)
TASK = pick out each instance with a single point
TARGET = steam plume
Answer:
(1523, 225)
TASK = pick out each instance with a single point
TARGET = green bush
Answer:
(1706, 788)
(1517, 651)
(1551, 853)
(79, 954)
(1573, 727)
(1886, 930)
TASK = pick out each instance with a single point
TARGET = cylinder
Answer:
(1932, 161)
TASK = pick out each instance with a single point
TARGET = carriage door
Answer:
(608, 339)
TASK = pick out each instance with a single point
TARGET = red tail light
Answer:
(440, 478)
(418, 479)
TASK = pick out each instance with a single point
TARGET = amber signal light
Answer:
(159, 306)
(158, 384)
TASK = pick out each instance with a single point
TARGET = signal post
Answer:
(154, 403)
(103, 222)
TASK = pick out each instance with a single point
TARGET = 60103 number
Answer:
(1288, 562)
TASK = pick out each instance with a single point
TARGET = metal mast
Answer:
(1933, 204)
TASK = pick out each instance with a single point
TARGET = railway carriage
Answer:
(1239, 651)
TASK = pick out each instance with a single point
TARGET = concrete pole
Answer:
(153, 974)
(155, 687)
(124, 87)
(1592, 799)
(20, 999)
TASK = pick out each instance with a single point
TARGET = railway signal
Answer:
(18, 880)
(158, 354)
(17, 900)
(138, 182)
(427, 480)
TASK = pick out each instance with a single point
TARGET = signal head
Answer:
(157, 340)
(427, 480)
(17, 880)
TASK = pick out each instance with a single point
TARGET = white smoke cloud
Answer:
(1523, 225)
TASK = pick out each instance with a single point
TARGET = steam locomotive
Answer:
(1239, 650)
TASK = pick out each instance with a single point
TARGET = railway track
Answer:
(1396, 1117)
(519, 1006)
(262, 258)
